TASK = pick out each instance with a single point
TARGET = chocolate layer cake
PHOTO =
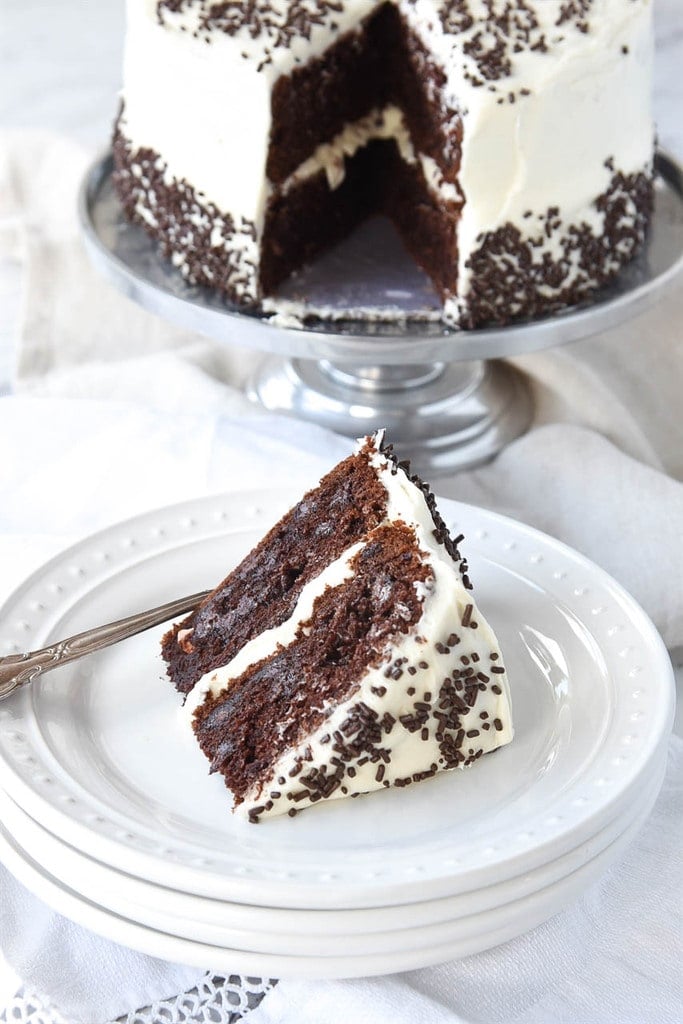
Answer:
(510, 141)
(345, 653)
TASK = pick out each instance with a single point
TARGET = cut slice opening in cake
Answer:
(360, 130)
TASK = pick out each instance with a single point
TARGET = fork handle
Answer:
(18, 669)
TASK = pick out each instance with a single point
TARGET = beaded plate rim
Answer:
(641, 716)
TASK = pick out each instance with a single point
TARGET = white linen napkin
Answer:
(117, 412)
(614, 957)
(87, 978)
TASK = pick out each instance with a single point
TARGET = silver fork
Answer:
(18, 669)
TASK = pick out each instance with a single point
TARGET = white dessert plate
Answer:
(98, 753)
(423, 946)
(301, 932)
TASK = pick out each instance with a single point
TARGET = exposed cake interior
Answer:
(262, 591)
(376, 670)
(363, 129)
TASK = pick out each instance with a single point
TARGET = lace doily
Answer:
(216, 1000)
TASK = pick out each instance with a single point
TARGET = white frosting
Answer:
(331, 157)
(418, 660)
(268, 642)
(433, 175)
(206, 108)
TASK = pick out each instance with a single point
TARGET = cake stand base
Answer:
(442, 416)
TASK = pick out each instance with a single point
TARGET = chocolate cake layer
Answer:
(282, 698)
(315, 102)
(382, 62)
(427, 224)
(310, 216)
(262, 591)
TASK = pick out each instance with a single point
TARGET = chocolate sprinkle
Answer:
(441, 532)
(515, 277)
(277, 26)
(184, 225)
(494, 36)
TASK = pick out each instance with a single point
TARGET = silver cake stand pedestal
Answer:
(446, 398)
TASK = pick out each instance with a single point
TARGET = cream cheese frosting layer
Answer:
(437, 698)
(331, 157)
(267, 643)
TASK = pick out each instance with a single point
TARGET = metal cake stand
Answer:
(446, 399)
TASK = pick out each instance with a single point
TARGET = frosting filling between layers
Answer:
(388, 124)
(331, 157)
(263, 590)
(271, 640)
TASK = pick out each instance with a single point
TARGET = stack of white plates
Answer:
(109, 815)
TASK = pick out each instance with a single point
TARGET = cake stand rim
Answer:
(437, 342)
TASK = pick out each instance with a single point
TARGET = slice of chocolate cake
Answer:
(345, 653)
